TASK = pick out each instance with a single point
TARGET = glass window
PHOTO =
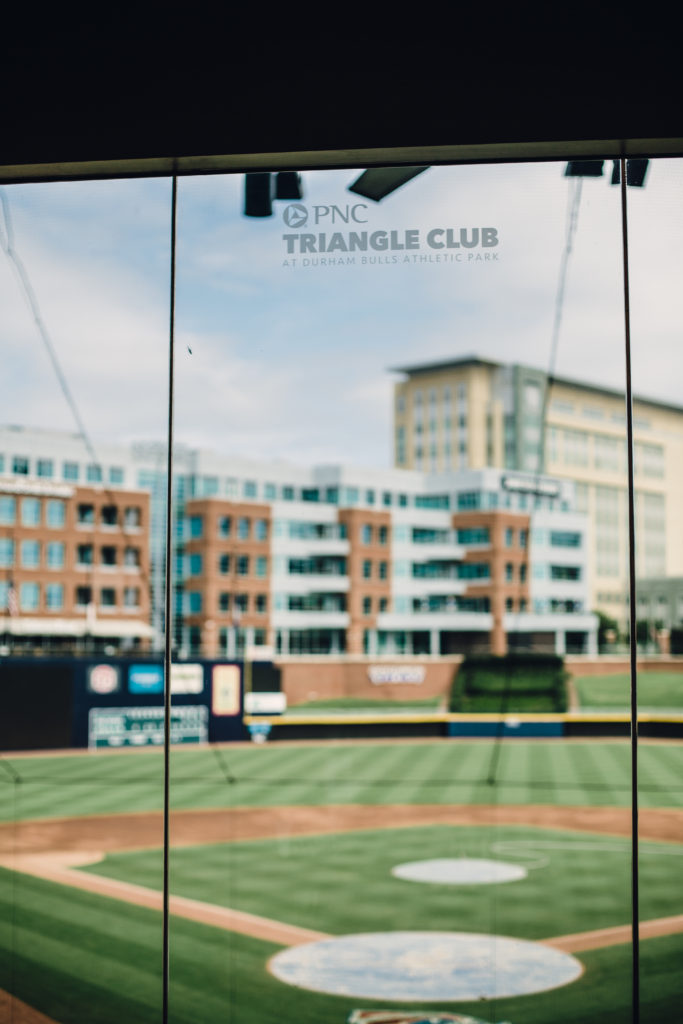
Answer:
(194, 602)
(30, 554)
(70, 471)
(269, 492)
(29, 597)
(261, 529)
(366, 534)
(132, 518)
(261, 603)
(224, 564)
(261, 566)
(54, 596)
(367, 605)
(55, 512)
(250, 489)
(243, 565)
(116, 475)
(6, 552)
(86, 514)
(45, 467)
(84, 554)
(224, 526)
(243, 528)
(367, 569)
(195, 564)
(54, 554)
(20, 465)
(8, 507)
(107, 597)
(195, 526)
(131, 597)
(509, 536)
(93, 473)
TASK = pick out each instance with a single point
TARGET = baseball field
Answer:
(308, 881)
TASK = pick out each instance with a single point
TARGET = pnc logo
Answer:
(295, 215)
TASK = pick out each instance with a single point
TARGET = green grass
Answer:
(443, 772)
(351, 704)
(656, 691)
(85, 959)
(343, 884)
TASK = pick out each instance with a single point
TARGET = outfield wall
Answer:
(405, 678)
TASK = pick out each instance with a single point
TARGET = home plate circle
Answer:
(407, 966)
(459, 871)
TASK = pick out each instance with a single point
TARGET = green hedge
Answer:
(512, 682)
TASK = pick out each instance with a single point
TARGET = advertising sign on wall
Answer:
(141, 727)
(104, 679)
(379, 674)
(187, 678)
(145, 679)
(225, 691)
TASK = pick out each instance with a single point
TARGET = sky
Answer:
(282, 360)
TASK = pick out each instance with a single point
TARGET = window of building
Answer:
(383, 534)
(367, 605)
(509, 572)
(194, 564)
(261, 529)
(54, 596)
(132, 518)
(54, 554)
(30, 554)
(509, 604)
(287, 493)
(386, 499)
(243, 528)
(20, 465)
(45, 468)
(261, 603)
(195, 526)
(29, 597)
(269, 492)
(83, 596)
(131, 597)
(565, 539)
(8, 508)
(116, 475)
(70, 471)
(30, 511)
(243, 565)
(194, 602)
(109, 515)
(369, 497)
(565, 572)
(108, 555)
(509, 536)
(86, 515)
(224, 564)
(367, 569)
(261, 566)
(224, 601)
(250, 489)
(383, 604)
(84, 554)
(382, 570)
(107, 597)
(6, 552)
(242, 602)
(224, 526)
(93, 473)
(366, 534)
(522, 572)
(474, 535)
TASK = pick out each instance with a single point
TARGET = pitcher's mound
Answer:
(459, 871)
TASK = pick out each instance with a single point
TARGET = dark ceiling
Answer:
(107, 88)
